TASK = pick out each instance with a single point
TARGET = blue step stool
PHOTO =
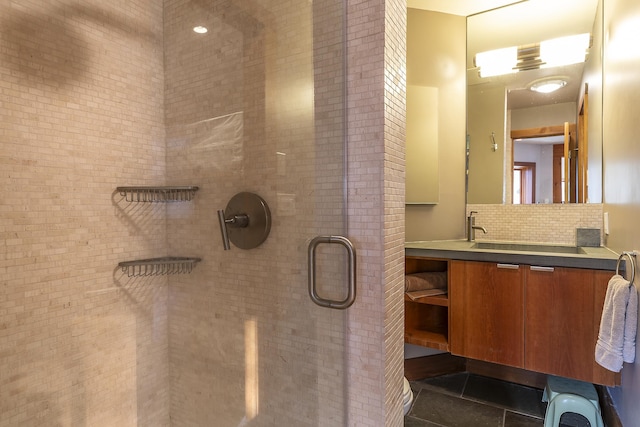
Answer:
(567, 395)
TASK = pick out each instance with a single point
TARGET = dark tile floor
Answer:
(468, 400)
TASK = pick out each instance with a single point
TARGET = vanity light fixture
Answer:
(547, 85)
(549, 53)
(565, 50)
(497, 62)
(200, 29)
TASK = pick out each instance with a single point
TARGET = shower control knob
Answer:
(237, 220)
(245, 222)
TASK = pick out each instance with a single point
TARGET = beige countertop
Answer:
(599, 258)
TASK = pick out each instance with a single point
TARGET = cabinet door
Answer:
(563, 309)
(487, 320)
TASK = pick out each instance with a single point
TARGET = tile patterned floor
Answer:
(468, 400)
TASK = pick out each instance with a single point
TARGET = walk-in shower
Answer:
(123, 132)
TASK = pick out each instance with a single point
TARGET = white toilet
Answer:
(407, 396)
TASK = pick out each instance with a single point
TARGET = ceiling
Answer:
(458, 7)
(525, 22)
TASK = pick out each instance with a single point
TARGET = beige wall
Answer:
(621, 157)
(439, 55)
(81, 113)
(422, 174)
(553, 114)
(486, 114)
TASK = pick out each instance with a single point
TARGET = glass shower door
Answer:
(257, 104)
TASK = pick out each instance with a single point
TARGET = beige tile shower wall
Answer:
(394, 212)
(377, 87)
(210, 309)
(81, 112)
(249, 108)
(551, 223)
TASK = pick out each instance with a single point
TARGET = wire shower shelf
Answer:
(158, 194)
(159, 266)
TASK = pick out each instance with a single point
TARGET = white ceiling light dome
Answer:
(548, 84)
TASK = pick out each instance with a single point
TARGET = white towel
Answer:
(630, 327)
(617, 337)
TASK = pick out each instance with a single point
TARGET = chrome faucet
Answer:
(472, 227)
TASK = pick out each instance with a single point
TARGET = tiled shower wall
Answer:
(81, 112)
(268, 118)
(393, 216)
(234, 311)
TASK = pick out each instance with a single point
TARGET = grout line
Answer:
(488, 403)
(525, 414)
(464, 386)
(430, 422)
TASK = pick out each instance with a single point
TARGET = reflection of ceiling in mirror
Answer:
(458, 7)
(517, 85)
(522, 22)
(525, 23)
(528, 22)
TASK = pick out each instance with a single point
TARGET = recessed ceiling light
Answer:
(547, 85)
(200, 29)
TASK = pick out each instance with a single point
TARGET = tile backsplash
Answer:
(548, 223)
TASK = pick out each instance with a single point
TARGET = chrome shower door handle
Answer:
(351, 283)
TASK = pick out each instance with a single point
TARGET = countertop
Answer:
(598, 258)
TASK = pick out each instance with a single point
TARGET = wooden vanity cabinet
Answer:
(538, 318)
(487, 319)
(562, 320)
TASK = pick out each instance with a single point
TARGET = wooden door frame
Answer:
(558, 188)
(583, 145)
(531, 166)
(541, 132)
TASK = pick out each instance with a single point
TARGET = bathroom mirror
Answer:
(502, 108)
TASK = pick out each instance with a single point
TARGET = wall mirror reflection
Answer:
(534, 103)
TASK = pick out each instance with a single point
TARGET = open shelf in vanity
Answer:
(427, 318)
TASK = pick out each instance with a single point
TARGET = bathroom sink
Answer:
(525, 247)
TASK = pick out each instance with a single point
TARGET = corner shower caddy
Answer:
(157, 194)
(158, 266)
(163, 265)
